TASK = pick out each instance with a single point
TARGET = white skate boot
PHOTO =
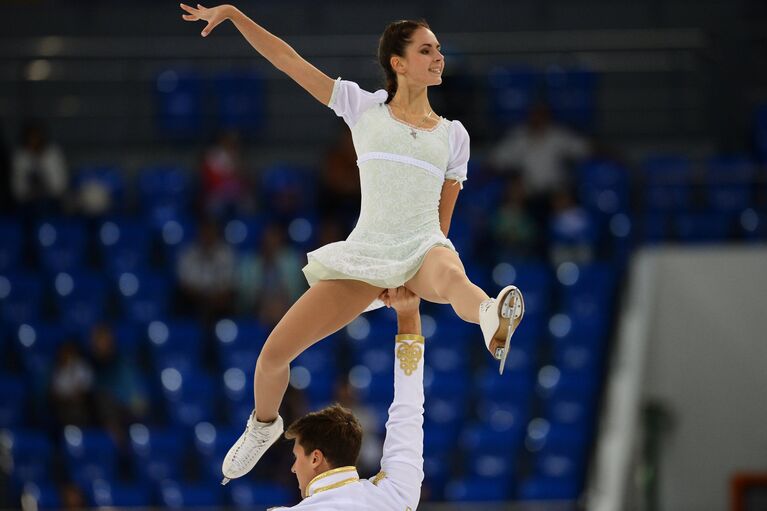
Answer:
(249, 448)
(499, 318)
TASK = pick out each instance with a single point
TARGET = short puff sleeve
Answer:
(349, 101)
(457, 165)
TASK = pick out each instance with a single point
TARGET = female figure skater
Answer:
(412, 165)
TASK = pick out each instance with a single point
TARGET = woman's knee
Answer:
(272, 356)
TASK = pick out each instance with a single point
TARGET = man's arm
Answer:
(402, 461)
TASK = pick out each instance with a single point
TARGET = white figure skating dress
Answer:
(402, 170)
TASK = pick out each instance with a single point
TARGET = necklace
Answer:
(413, 132)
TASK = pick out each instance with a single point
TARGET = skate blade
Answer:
(513, 312)
(224, 481)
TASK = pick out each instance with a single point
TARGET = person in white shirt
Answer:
(540, 150)
(327, 442)
(412, 166)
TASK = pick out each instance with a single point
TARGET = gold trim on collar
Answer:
(336, 485)
(330, 473)
(409, 337)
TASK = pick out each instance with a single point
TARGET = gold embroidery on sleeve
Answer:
(409, 355)
(377, 478)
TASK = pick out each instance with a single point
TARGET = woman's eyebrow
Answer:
(429, 45)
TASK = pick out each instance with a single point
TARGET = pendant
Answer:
(413, 133)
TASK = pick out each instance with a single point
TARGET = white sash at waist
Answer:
(425, 165)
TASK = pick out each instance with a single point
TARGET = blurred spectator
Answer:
(72, 497)
(270, 280)
(205, 273)
(71, 387)
(372, 445)
(514, 229)
(225, 186)
(39, 172)
(571, 231)
(119, 393)
(339, 194)
(6, 197)
(540, 151)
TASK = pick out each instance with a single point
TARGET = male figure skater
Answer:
(327, 442)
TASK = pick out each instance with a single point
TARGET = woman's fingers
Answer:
(189, 9)
(190, 17)
(210, 26)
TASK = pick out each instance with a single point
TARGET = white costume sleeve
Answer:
(349, 101)
(402, 461)
(457, 165)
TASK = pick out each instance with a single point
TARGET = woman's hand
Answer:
(214, 16)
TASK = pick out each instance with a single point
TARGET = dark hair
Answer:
(334, 430)
(395, 38)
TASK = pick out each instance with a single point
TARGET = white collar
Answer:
(332, 479)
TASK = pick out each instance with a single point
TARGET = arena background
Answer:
(637, 377)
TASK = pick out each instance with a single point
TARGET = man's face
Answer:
(304, 467)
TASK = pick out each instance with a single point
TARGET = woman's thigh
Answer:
(323, 309)
(438, 261)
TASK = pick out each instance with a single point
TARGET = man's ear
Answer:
(316, 458)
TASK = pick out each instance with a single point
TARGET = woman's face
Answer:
(423, 63)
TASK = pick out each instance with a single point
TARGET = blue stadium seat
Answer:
(753, 225)
(557, 438)
(288, 191)
(703, 227)
(190, 397)
(512, 92)
(730, 182)
(61, 245)
(13, 395)
(448, 385)
(175, 343)
(179, 98)
(478, 489)
(244, 234)
(577, 227)
(247, 494)
(175, 235)
(13, 244)
(180, 495)
(89, 454)
(128, 339)
(37, 345)
(124, 246)
(110, 178)
(158, 454)
(21, 296)
(482, 439)
(165, 193)
(668, 179)
(515, 385)
(655, 228)
(144, 296)
(81, 298)
(553, 382)
(238, 391)
(241, 99)
(239, 342)
(31, 452)
(508, 418)
(436, 474)
(603, 186)
(572, 94)
(44, 493)
(211, 445)
(103, 493)
(547, 488)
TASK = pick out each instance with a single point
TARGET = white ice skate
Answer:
(249, 448)
(499, 318)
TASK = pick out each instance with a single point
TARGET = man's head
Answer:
(324, 440)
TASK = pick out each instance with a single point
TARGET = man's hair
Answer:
(334, 430)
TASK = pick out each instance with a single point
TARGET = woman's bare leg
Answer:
(326, 307)
(442, 279)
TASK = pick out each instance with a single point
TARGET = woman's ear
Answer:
(396, 64)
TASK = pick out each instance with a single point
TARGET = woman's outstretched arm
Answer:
(274, 49)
